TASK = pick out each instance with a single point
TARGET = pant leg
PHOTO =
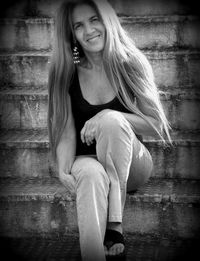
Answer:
(114, 151)
(141, 166)
(125, 159)
(92, 187)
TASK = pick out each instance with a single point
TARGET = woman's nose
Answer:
(89, 29)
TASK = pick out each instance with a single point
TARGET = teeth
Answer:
(94, 38)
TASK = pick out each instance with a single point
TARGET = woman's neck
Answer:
(93, 61)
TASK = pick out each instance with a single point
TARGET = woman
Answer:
(102, 100)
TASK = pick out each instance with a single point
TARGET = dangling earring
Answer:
(76, 56)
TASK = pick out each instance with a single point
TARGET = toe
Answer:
(120, 249)
(105, 250)
(116, 249)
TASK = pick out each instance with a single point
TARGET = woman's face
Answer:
(88, 28)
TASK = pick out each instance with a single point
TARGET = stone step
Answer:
(44, 207)
(40, 8)
(26, 34)
(23, 109)
(154, 7)
(163, 31)
(178, 68)
(26, 154)
(27, 109)
(140, 248)
(147, 32)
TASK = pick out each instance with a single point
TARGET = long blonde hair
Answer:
(127, 68)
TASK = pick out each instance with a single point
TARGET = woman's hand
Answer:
(68, 181)
(89, 129)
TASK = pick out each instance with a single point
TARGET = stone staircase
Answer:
(33, 202)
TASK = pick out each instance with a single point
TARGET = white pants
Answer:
(122, 164)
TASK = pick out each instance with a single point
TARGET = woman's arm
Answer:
(66, 148)
(140, 126)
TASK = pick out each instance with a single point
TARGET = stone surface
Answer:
(154, 7)
(163, 31)
(47, 8)
(24, 109)
(44, 207)
(147, 32)
(26, 154)
(171, 68)
(30, 69)
(26, 34)
(140, 248)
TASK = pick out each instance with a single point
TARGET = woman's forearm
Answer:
(66, 151)
(140, 126)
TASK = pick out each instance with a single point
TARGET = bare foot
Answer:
(117, 248)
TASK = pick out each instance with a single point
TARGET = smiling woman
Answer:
(102, 101)
(89, 30)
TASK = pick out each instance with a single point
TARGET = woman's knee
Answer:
(90, 171)
(113, 122)
(140, 171)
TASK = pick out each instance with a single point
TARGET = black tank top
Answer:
(82, 111)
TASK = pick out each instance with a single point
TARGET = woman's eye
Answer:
(78, 26)
(95, 19)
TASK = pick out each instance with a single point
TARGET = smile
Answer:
(94, 38)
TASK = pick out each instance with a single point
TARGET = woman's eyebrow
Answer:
(89, 18)
(93, 16)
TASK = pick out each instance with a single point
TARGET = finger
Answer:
(89, 140)
(89, 143)
(82, 134)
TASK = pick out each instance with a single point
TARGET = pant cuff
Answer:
(115, 219)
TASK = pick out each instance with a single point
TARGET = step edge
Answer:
(159, 52)
(127, 18)
(188, 94)
(60, 194)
